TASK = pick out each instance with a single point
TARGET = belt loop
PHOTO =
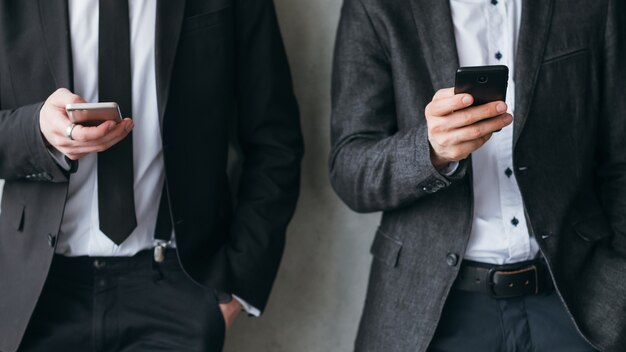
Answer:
(489, 281)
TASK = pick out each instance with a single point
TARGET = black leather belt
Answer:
(505, 281)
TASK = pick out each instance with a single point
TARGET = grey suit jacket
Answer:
(569, 158)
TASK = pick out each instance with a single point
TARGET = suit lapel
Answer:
(436, 33)
(170, 15)
(54, 20)
(534, 29)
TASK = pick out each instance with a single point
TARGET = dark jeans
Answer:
(123, 304)
(475, 322)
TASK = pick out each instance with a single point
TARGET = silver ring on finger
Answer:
(69, 129)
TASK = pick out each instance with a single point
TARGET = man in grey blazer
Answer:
(507, 241)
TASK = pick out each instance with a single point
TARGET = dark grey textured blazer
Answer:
(569, 158)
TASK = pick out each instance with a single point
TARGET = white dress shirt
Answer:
(80, 229)
(486, 33)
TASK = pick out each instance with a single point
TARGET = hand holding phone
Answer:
(90, 133)
(458, 124)
(484, 83)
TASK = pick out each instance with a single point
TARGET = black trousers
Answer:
(475, 322)
(123, 304)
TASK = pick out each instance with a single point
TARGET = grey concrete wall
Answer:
(319, 292)
(317, 300)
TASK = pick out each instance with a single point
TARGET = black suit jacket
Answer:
(569, 158)
(222, 75)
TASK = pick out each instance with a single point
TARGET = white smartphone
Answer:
(93, 114)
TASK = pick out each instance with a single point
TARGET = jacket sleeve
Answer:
(23, 153)
(373, 165)
(270, 139)
(611, 156)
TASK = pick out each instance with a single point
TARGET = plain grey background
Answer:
(319, 292)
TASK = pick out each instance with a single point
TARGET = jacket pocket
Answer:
(386, 249)
(564, 56)
(12, 217)
(204, 20)
(594, 228)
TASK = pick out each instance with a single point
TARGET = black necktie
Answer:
(116, 200)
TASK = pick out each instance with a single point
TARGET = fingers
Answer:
(466, 117)
(474, 131)
(107, 136)
(112, 137)
(61, 97)
(456, 144)
(475, 114)
(447, 105)
(86, 134)
(116, 134)
(443, 93)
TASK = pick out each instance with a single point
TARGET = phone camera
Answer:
(482, 79)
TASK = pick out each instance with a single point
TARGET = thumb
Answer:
(61, 97)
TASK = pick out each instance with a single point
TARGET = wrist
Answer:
(438, 162)
(223, 297)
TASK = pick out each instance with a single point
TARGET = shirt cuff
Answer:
(248, 308)
(59, 158)
(449, 169)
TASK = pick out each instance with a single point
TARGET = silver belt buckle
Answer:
(159, 250)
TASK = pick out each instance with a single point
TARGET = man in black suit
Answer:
(116, 241)
(489, 241)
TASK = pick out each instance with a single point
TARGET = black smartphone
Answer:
(484, 83)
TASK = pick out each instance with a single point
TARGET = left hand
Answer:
(230, 311)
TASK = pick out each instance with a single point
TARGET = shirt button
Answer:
(514, 221)
(452, 259)
(494, 2)
(99, 264)
(498, 55)
(508, 172)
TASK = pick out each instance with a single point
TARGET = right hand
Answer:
(53, 121)
(455, 129)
